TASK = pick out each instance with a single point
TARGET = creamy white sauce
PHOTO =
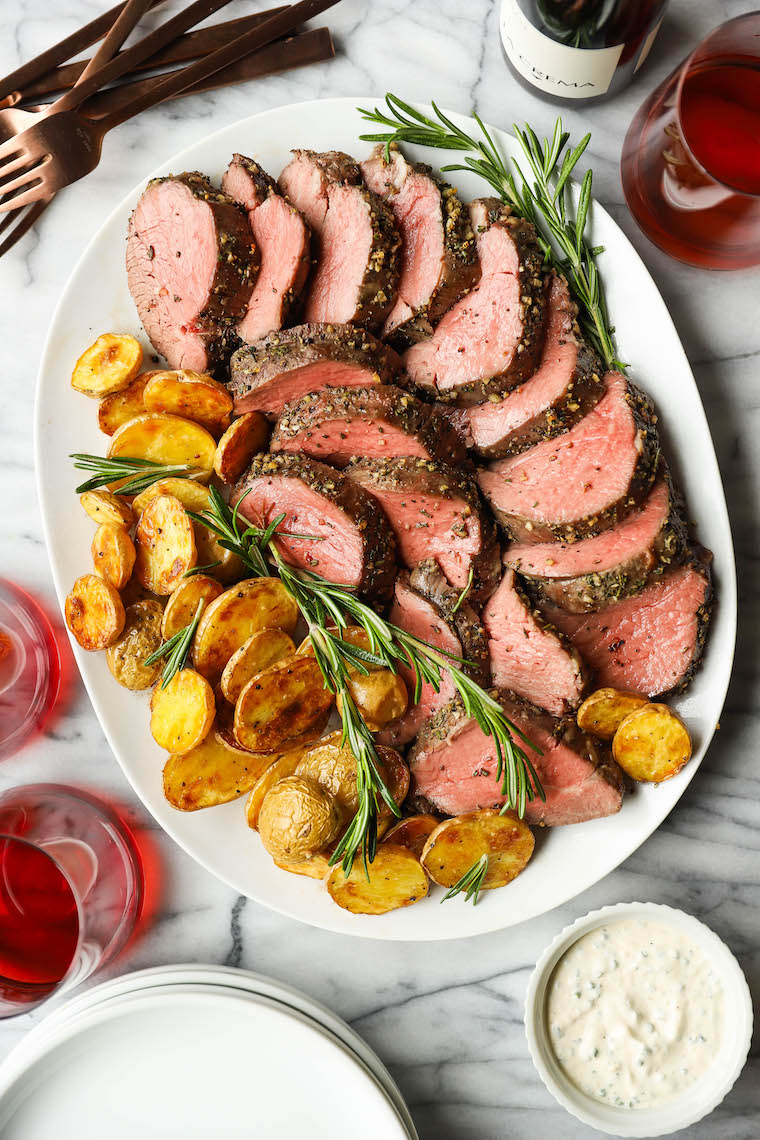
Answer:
(634, 1012)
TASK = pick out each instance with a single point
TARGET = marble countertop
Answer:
(446, 1018)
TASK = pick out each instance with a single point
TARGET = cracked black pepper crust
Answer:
(428, 581)
(700, 559)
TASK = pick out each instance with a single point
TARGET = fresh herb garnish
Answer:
(471, 882)
(139, 473)
(465, 591)
(191, 573)
(176, 649)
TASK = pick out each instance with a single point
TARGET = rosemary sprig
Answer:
(176, 649)
(139, 473)
(542, 199)
(471, 882)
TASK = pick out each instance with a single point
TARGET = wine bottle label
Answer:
(572, 73)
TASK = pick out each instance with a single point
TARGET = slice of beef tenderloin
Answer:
(584, 481)
(337, 425)
(597, 572)
(286, 365)
(356, 241)
(652, 643)
(564, 388)
(352, 544)
(491, 340)
(528, 655)
(191, 268)
(425, 605)
(435, 512)
(439, 262)
(283, 239)
(453, 764)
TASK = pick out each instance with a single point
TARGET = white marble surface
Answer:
(446, 1018)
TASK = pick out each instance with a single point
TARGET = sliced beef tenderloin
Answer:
(357, 244)
(584, 481)
(435, 512)
(453, 764)
(650, 644)
(286, 365)
(597, 572)
(283, 239)
(191, 268)
(352, 543)
(491, 340)
(528, 655)
(338, 424)
(565, 387)
(426, 606)
(439, 261)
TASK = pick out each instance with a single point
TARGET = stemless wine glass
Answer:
(30, 668)
(691, 159)
(71, 890)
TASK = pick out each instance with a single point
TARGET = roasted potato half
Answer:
(165, 542)
(224, 564)
(183, 602)
(182, 713)
(396, 879)
(458, 843)
(109, 365)
(113, 554)
(282, 703)
(652, 744)
(298, 818)
(246, 608)
(413, 832)
(284, 765)
(261, 650)
(140, 638)
(381, 696)
(194, 496)
(120, 407)
(316, 867)
(602, 711)
(103, 507)
(166, 439)
(94, 612)
(245, 437)
(334, 767)
(211, 774)
(194, 395)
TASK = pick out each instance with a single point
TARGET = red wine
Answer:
(720, 120)
(578, 50)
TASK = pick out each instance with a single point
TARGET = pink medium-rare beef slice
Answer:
(356, 243)
(426, 606)
(348, 539)
(284, 242)
(491, 340)
(337, 425)
(584, 481)
(652, 643)
(435, 512)
(286, 365)
(192, 265)
(528, 655)
(439, 262)
(453, 765)
(564, 388)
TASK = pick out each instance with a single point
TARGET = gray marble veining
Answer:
(446, 1018)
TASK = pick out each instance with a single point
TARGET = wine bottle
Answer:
(582, 50)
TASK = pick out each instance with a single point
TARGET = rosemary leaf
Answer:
(138, 473)
(176, 649)
(471, 882)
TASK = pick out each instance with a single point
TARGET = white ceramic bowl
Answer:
(699, 1099)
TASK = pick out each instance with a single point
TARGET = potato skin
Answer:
(182, 604)
(652, 744)
(458, 843)
(194, 395)
(413, 832)
(113, 554)
(103, 507)
(245, 437)
(94, 612)
(181, 715)
(165, 545)
(298, 818)
(380, 697)
(211, 774)
(140, 637)
(109, 365)
(246, 608)
(334, 767)
(603, 710)
(282, 703)
(261, 650)
(396, 879)
(284, 765)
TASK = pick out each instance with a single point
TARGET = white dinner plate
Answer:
(567, 860)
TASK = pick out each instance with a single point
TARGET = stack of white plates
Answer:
(197, 1053)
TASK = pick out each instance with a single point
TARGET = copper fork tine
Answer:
(23, 223)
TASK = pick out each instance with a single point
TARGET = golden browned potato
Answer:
(140, 638)
(380, 697)
(166, 439)
(284, 765)
(316, 867)
(298, 818)
(181, 715)
(113, 554)
(229, 567)
(211, 774)
(458, 843)
(395, 773)
(109, 365)
(193, 495)
(261, 650)
(120, 407)
(94, 612)
(134, 591)
(183, 602)
(103, 507)
(602, 711)
(194, 395)
(334, 767)
(396, 879)
(282, 703)
(413, 832)
(244, 438)
(165, 545)
(250, 606)
(652, 744)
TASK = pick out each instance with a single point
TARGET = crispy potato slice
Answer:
(140, 637)
(211, 774)
(113, 554)
(244, 438)
(183, 602)
(250, 606)
(109, 365)
(261, 650)
(298, 818)
(94, 612)
(284, 765)
(193, 495)
(652, 744)
(181, 715)
(413, 832)
(103, 507)
(194, 395)
(396, 879)
(281, 703)
(458, 843)
(121, 407)
(602, 711)
(166, 439)
(165, 545)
